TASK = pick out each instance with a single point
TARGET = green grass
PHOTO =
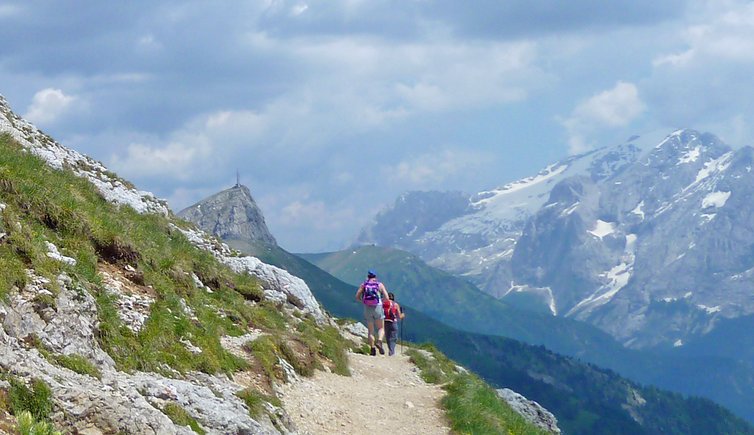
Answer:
(79, 364)
(474, 407)
(27, 425)
(180, 417)
(37, 399)
(327, 342)
(471, 405)
(265, 350)
(44, 204)
(75, 362)
(255, 401)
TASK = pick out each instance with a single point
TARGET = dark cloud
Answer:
(400, 19)
(522, 18)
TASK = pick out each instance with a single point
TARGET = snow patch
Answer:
(546, 174)
(710, 310)
(690, 156)
(707, 217)
(570, 209)
(715, 199)
(602, 228)
(614, 280)
(712, 166)
(514, 288)
(678, 343)
(639, 210)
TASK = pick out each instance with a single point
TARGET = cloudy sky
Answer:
(330, 109)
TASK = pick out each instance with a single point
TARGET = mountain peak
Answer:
(230, 214)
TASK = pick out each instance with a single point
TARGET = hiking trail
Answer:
(382, 395)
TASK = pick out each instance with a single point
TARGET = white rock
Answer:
(52, 252)
(58, 156)
(278, 284)
(530, 410)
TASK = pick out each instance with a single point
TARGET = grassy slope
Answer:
(43, 204)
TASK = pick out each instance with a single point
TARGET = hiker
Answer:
(371, 293)
(393, 315)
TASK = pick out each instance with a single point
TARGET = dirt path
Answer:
(383, 395)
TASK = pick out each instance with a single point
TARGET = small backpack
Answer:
(391, 311)
(371, 295)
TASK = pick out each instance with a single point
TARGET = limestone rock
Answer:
(530, 410)
(230, 214)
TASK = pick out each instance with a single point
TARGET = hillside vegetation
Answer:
(208, 345)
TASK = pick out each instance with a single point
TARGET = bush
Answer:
(28, 426)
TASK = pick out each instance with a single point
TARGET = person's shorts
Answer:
(374, 313)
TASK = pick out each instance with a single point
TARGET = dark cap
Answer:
(371, 273)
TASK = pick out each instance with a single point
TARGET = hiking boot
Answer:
(373, 351)
(382, 349)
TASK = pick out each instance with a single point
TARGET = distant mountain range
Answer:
(653, 247)
(576, 394)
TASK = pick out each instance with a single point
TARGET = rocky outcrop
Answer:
(278, 284)
(118, 401)
(230, 214)
(532, 411)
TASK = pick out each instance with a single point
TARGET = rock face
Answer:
(532, 411)
(230, 214)
(651, 246)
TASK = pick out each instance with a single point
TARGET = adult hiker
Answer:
(393, 315)
(371, 293)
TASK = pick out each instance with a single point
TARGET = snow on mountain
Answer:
(612, 235)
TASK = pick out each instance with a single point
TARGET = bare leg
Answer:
(370, 327)
(380, 335)
(380, 330)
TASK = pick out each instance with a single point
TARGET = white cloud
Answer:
(299, 9)
(9, 11)
(305, 212)
(175, 160)
(704, 81)
(203, 142)
(370, 82)
(615, 107)
(728, 36)
(429, 170)
(48, 105)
